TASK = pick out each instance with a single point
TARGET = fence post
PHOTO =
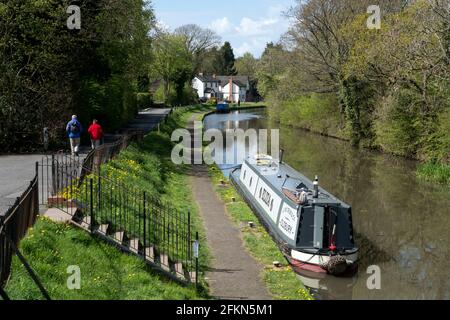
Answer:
(189, 236)
(53, 192)
(145, 223)
(92, 204)
(99, 193)
(197, 253)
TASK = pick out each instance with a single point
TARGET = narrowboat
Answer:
(223, 107)
(313, 229)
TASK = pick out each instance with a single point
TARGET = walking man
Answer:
(96, 133)
(74, 130)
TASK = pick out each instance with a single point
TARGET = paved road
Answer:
(147, 120)
(16, 171)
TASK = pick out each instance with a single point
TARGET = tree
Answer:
(211, 62)
(48, 72)
(198, 40)
(246, 65)
(172, 62)
(322, 49)
(227, 60)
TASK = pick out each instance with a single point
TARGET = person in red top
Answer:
(96, 133)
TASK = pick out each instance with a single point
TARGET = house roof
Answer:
(207, 78)
(241, 81)
(236, 82)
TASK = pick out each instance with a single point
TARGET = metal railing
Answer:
(108, 151)
(14, 226)
(122, 214)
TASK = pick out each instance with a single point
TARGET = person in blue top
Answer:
(74, 130)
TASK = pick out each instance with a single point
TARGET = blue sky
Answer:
(247, 24)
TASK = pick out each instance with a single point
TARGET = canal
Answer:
(402, 223)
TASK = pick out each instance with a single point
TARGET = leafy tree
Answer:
(246, 65)
(211, 62)
(227, 60)
(172, 62)
(48, 72)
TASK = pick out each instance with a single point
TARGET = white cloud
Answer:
(252, 34)
(221, 26)
(255, 46)
(250, 28)
(242, 49)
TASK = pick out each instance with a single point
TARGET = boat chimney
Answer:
(316, 187)
(281, 155)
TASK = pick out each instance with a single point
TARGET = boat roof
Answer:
(284, 176)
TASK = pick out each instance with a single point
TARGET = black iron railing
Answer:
(123, 214)
(14, 226)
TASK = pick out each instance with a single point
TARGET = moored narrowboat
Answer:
(313, 229)
(223, 107)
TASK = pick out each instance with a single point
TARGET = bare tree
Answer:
(198, 39)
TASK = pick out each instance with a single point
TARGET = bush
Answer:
(144, 101)
(398, 124)
(211, 102)
(316, 112)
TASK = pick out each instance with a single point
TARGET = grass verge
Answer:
(106, 273)
(434, 172)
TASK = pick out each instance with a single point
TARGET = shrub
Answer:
(315, 112)
(212, 102)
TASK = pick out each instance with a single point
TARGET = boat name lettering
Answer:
(266, 197)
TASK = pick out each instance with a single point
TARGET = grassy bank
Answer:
(281, 282)
(434, 172)
(145, 166)
(106, 273)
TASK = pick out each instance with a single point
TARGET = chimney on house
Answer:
(214, 75)
(231, 90)
(200, 74)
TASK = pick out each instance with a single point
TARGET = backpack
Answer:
(74, 128)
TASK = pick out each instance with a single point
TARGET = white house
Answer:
(228, 88)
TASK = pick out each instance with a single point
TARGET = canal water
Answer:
(402, 223)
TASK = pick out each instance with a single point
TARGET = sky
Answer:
(247, 24)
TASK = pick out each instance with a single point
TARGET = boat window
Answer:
(260, 193)
(251, 181)
(245, 174)
(271, 205)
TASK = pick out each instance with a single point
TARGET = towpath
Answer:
(16, 171)
(234, 275)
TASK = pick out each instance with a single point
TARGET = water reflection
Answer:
(401, 223)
